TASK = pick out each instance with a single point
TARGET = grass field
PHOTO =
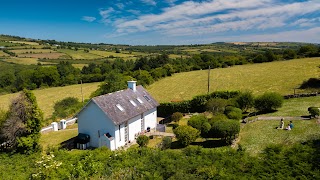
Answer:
(280, 76)
(26, 61)
(254, 137)
(108, 53)
(53, 55)
(47, 97)
(296, 106)
(25, 42)
(24, 51)
(3, 54)
(80, 66)
(80, 54)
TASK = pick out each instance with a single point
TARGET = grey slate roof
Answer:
(108, 104)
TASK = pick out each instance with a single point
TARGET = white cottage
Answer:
(116, 119)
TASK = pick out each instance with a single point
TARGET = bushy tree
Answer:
(216, 105)
(176, 117)
(143, 140)
(245, 100)
(21, 130)
(233, 113)
(314, 111)
(269, 101)
(200, 122)
(66, 107)
(225, 129)
(166, 142)
(186, 134)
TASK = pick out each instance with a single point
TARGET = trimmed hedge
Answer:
(197, 104)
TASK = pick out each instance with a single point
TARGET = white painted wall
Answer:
(134, 127)
(150, 118)
(93, 120)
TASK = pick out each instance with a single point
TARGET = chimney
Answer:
(132, 85)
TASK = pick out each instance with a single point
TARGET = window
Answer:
(120, 107)
(133, 103)
(146, 97)
(140, 101)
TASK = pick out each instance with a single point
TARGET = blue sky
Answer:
(151, 22)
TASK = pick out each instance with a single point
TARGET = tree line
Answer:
(145, 70)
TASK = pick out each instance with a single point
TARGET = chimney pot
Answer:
(132, 85)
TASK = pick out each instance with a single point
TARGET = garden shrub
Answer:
(268, 102)
(233, 113)
(186, 134)
(166, 142)
(175, 117)
(143, 140)
(225, 129)
(201, 123)
(314, 111)
(245, 100)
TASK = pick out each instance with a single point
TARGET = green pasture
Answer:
(80, 66)
(26, 61)
(3, 54)
(47, 97)
(7, 44)
(279, 76)
(80, 54)
(24, 51)
(254, 137)
(25, 42)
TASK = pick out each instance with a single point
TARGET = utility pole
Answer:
(81, 91)
(209, 80)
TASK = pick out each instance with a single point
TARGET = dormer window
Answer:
(133, 103)
(147, 98)
(139, 100)
(120, 107)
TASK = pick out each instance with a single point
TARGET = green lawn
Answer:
(296, 106)
(54, 138)
(254, 137)
(47, 97)
(279, 76)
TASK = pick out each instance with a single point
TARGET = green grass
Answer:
(3, 54)
(55, 138)
(25, 42)
(23, 51)
(296, 106)
(108, 53)
(26, 61)
(254, 137)
(47, 97)
(280, 76)
(80, 54)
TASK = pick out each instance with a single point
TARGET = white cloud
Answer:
(149, 2)
(120, 5)
(105, 14)
(190, 18)
(88, 18)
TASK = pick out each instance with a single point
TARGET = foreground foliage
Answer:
(299, 161)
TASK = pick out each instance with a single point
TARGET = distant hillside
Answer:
(279, 76)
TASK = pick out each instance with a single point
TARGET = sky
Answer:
(162, 22)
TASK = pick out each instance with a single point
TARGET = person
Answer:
(291, 125)
(288, 127)
(281, 124)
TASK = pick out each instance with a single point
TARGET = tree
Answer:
(289, 54)
(245, 101)
(186, 134)
(175, 117)
(216, 105)
(233, 113)
(114, 82)
(166, 142)
(21, 130)
(225, 129)
(66, 107)
(269, 101)
(201, 123)
(143, 140)
(314, 111)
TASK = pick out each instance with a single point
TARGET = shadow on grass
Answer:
(69, 144)
(205, 144)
